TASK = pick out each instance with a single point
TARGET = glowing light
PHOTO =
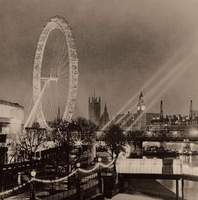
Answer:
(193, 132)
(73, 156)
(33, 173)
(166, 82)
(36, 105)
(78, 143)
(175, 133)
(160, 73)
(51, 78)
(78, 165)
(149, 133)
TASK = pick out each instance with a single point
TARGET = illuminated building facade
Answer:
(11, 123)
(193, 114)
(176, 124)
(141, 119)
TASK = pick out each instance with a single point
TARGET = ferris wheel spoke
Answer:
(63, 63)
(62, 57)
(49, 99)
(62, 66)
(63, 75)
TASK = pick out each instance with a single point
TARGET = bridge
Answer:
(162, 138)
(135, 140)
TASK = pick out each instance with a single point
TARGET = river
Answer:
(133, 197)
(190, 187)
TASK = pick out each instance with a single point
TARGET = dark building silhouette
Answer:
(193, 114)
(58, 118)
(94, 109)
(140, 119)
(158, 122)
(161, 110)
(3, 149)
(104, 117)
(191, 110)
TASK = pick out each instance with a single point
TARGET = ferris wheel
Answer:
(55, 74)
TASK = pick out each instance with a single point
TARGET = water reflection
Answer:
(133, 197)
(190, 187)
(183, 164)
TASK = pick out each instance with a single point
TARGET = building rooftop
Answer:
(8, 103)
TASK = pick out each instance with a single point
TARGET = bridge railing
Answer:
(189, 170)
(148, 166)
(84, 180)
(155, 166)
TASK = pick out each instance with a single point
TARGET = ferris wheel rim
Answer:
(62, 25)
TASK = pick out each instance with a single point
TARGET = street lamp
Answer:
(32, 190)
(78, 165)
(99, 159)
(78, 189)
(99, 176)
(33, 173)
(114, 167)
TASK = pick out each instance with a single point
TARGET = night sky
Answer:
(120, 45)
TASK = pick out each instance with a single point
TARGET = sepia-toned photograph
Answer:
(98, 99)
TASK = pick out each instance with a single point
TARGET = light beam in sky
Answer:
(155, 79)
(166, 83)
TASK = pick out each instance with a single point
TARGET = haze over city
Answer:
(98, 99)
(120, 46)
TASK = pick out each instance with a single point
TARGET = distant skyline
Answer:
(121, 44)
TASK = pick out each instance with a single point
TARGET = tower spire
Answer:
(105, 108)
(191, 110)
(58, 114)
(161, 110)
(141, 105)
(94, 109)
(105, 117)
(141, 95)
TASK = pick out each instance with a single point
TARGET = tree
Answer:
(70, 136)
(65, 132)
(31, 140)
(87, 129)
(62, 135)
(115, 139)
(136, 134)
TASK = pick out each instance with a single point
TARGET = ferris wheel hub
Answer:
(51, 78)
(54, 79)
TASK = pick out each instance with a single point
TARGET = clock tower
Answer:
(141, 105)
